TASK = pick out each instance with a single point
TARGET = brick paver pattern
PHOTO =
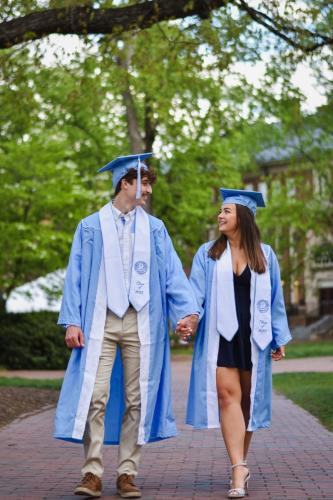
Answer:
(292, 460)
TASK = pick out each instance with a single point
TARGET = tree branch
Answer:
(279, 28)
(83, 20)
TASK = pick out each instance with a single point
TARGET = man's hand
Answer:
(278, 353)
(186, 327)
(74, 337)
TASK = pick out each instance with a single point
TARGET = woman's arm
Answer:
(280, 328)
(198, 278)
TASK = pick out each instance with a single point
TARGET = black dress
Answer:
(237, 352)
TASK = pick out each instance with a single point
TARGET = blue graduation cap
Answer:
(249, 199)
(121, 165)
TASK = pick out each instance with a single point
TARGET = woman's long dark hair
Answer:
(249, 241)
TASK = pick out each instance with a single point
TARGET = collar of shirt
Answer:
(118, 215)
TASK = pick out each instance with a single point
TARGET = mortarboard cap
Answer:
(249, 199)
(121, 165)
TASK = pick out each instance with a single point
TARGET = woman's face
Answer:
(227, 219)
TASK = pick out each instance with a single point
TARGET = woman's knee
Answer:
(227, 396)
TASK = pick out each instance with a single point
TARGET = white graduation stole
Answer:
(139, 289)
(117, 298)
(227, 323)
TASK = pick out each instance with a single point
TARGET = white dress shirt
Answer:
(125, 229)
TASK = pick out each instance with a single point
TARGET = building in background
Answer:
(305, 253)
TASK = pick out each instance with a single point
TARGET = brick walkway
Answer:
(293, 460)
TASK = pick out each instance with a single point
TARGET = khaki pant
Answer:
(124, 334)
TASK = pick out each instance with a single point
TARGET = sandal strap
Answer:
(240, 464)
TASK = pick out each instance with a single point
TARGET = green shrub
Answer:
(32, 341)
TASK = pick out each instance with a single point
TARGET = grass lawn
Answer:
(34, 383)
(309, 349)
(312, 391)
(294, 349)
(182, 350)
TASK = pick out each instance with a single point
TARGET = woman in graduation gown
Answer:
(243, 326)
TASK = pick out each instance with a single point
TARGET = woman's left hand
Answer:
(278, 353)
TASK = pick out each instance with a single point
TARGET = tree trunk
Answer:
(138, 144)
(133, 128)
(3, 303)
(150, 126)
(150, 133)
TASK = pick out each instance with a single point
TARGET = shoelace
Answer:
(88, 477)
(128, 479)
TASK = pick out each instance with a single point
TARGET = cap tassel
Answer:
(138, 185)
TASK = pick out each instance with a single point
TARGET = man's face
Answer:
(146, 190)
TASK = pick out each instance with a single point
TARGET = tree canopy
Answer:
(174, 87)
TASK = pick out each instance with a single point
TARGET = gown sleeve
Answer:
(180, 298)
(280, 328)
(198, 279)
(70, 312)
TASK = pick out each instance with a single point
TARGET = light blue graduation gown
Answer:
(202, 407)
(84, 304)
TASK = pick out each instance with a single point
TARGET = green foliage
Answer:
(46, 169)
(174, 87)
(31, 382)
(32, 341)
(323, 253)
(312, 391)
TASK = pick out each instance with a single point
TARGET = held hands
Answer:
(279, 353)
(186, 327)
(74, 337)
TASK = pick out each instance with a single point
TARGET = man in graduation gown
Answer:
(124, 280)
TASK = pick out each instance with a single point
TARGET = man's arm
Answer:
(186, 328)
(280, 328)
(181, 300)
(70, 312)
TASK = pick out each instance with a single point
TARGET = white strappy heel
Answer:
(240, 492)
(244, 463)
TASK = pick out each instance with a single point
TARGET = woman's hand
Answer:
(187, 326)
(278, 353)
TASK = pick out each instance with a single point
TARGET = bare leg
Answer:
(232, 419)
(245, 381)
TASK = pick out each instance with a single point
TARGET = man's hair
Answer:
(250, 241)
(133, 174)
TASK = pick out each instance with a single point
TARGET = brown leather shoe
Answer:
(90, 485)
(126, 487)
